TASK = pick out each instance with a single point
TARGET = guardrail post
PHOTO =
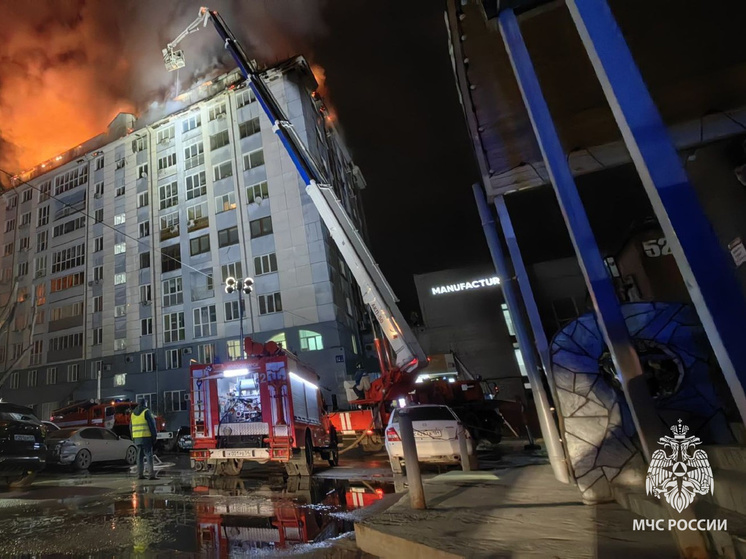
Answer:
(414, 479)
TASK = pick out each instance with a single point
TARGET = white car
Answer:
(435, 434)
(83, 446)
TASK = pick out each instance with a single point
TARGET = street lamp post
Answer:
(231, 285)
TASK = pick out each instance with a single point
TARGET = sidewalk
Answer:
(518, 512)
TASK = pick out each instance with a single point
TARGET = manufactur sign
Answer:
(465, 286)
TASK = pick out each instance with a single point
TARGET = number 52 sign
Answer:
(656, 247)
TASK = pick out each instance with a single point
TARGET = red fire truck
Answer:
(265, 408)
(114, 415)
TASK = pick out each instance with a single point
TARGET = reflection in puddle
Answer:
(210, 516)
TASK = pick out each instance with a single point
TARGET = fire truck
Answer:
(265, 408)
(114, 415)
(399, 352)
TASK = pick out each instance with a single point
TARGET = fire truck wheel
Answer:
(82, 460)
(131, 456)
(309, 452)
(231, 467)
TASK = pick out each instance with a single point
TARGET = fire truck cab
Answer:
(114, 415)
(265, 408)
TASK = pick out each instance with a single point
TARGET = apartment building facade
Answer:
(114, 263)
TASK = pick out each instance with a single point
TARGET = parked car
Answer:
(22, 449)
(49, 426)
(435, 434)
(80, 447)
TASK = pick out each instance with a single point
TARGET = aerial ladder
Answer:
(397, 374)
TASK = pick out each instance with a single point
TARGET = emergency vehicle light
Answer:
(235, 373)
(309, 383)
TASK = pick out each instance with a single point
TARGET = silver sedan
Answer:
(80, 447)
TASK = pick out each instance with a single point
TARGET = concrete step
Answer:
(729, 457)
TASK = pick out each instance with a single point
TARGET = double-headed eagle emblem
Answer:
(679, 476)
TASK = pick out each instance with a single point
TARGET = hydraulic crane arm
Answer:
(377, 293)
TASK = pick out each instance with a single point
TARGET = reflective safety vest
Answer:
(140, 427)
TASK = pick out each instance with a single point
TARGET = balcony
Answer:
(197, 224)
(169, 232)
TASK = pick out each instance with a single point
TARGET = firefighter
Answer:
(143, 432)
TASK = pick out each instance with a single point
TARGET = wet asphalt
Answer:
(107, 512)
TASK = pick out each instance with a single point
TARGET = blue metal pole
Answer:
(701, 259)
(609, 315)
(540, 337)
(546, 420)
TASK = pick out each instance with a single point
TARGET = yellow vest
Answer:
(140, 427)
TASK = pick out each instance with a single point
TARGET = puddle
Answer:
(193, 515)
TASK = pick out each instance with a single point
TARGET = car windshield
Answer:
(18, 414)
(62, 434)
(428, 413)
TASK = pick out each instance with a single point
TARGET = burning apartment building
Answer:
(116, 253)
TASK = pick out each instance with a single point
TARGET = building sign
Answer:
(465, 286)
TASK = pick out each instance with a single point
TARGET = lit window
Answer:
(311, 341)
(119, 219)
(234, 349)
(120, 278)
(225, 202)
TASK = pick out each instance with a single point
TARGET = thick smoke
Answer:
(68, 67)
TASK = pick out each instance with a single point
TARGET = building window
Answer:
(225, 203)
(98, 189)
(205, 322)
(98, 244)
(10, 225)
(249, 128)
(68, 258)
(139, 144)
(173, 327)
(40, 266)
(194, 155)
(195, 213)
(120, 310)
(65, 342)
(52, 375)
(170, 222)
(167, 161)
(219, 140)
(26, 195)
(146, 326)
(170, 258)
(257, 192)
(68, 227)
(65, 282)
(199, 245)
(175, 400)
(44, 190)
(73, 373)
(146, 294)
(120, 248)
(98, 215)
(265, 264)
(98, 303)
(8, 250)
(280, 339)
(119, 279)
(119, 191)
(12, 203)
(98, 273)
(245, 97)
(196, 185)
(173, 359)
(222, 171)
(41, 240)
(232, 310)
(36, 352)
(147, 362)
(15, 381)
(142, 171)
(172, 293)
(120, 344)
(98, 336)
(232, 270)
(234, 350)
(97, 367)
(253, 159)
(120, 379)
(311, 341)
(68, 311)
(25, 219)
(22, 269)
(42, 216)
(261, 227)
(119, 219)
(205, 353)
(33, 378)
(169, 195)
(227, 237)
(166, 135)
(217, 111)
(144, 260)
(71, 179)
(270, 303)
(143, 199)
(150, 399)
(144, 229)
(191, 122)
